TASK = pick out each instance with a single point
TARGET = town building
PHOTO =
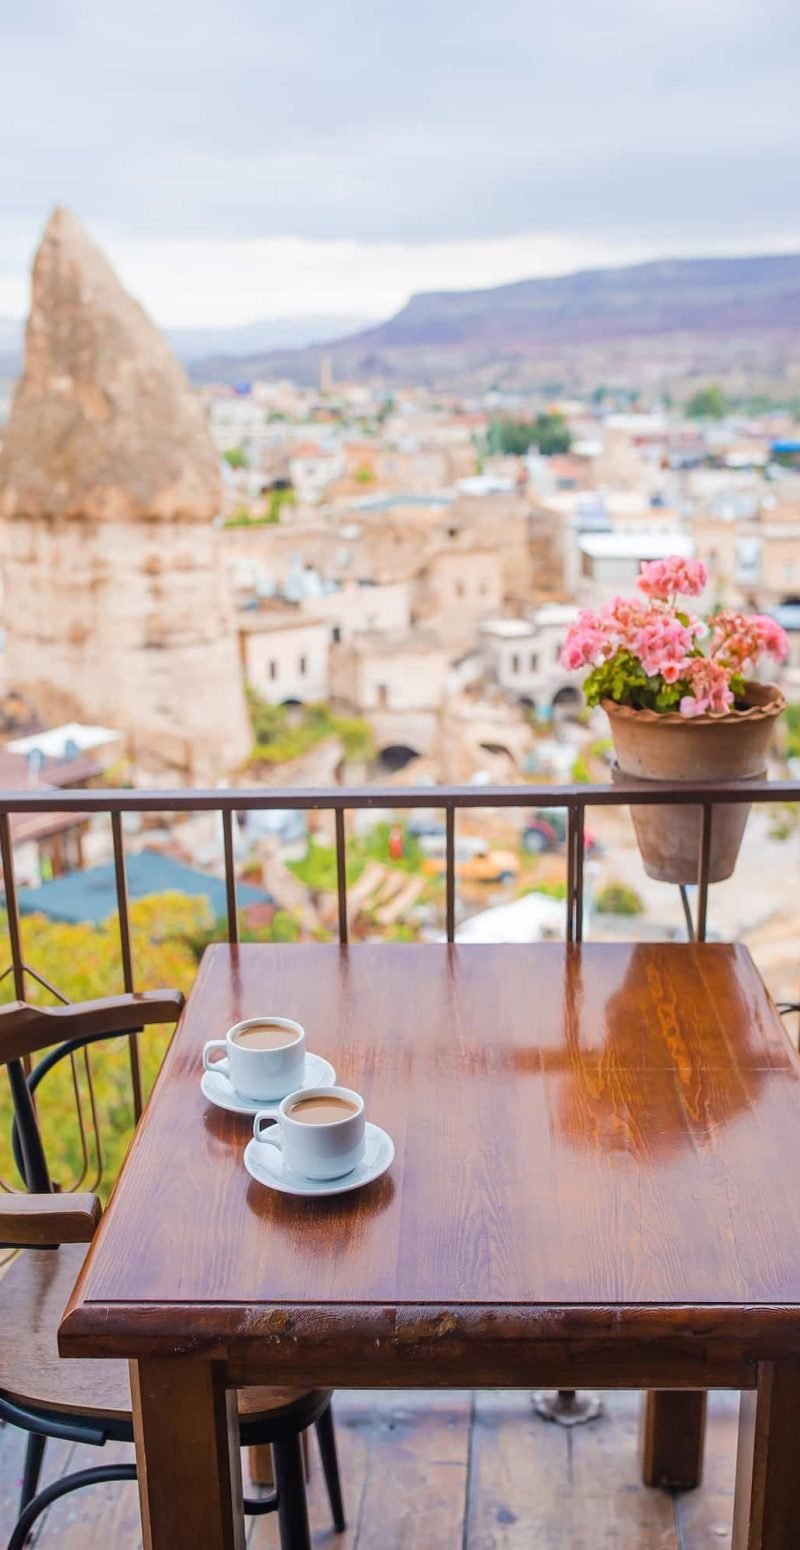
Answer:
(523, 656)
(285, 654)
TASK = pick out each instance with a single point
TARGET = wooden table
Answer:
(597, 1182)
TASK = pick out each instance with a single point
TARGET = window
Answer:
(302, 665)
(534, 661)
(273, 669)
(515, 663)
(336, 634)
(459, 589)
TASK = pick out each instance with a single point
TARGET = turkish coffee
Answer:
(318, 1110)
(265, 1036)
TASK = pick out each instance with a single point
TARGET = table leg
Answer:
(673, 1427)
(187, 1452)
(766, 1513)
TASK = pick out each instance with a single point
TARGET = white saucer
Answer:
(216, 1087)
(265, 1164)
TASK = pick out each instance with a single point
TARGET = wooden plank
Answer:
(766, 1513)
(187, 1451)
(101, 1515)
(416, 1481)
(705, 1517)
(530, 1484)
(12, 1460)
(537, 1484)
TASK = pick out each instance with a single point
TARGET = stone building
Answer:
(116, 606)
(284, 654)
(399, 682)
(458, 587)
(523, 656)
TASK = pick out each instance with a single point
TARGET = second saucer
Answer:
(216, 1087)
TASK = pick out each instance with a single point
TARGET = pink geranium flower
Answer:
(711, 692)
(663, 645)
(665, 579)
(648, 653)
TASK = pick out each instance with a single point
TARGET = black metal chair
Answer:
(89, 1401)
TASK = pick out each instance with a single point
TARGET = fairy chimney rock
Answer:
(116, 607)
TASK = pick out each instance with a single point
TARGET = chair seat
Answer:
(34, 1292)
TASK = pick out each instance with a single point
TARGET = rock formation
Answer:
(116, 607)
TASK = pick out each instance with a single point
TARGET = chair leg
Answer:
(34, 1455)
(291, 1487)
(326, 1437)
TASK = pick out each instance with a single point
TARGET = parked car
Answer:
(546, 830)
(494, 866)
(466, 845)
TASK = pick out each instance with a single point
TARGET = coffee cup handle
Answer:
(273, 1136)
(216, 1065)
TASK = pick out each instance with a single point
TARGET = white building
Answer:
(357, 609)
(609, 563)
(313, 468)
(285, 655)
(522, 656)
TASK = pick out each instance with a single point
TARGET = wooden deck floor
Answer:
(447, 1471)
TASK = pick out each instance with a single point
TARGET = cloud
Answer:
(638, 126)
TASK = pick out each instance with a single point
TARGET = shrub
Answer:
(618, 899)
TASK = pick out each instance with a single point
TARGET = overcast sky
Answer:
(244, 158)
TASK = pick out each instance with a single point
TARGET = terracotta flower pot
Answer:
(652, 747)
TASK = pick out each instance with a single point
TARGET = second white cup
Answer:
(321, 1131)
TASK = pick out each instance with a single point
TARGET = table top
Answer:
(583, 1133)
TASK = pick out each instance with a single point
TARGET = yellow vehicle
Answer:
(494, 866)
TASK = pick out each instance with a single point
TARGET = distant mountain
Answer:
(439, 334)
(193, 344)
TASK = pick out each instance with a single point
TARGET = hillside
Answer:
(710, 306)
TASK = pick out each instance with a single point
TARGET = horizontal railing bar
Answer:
(249, 799)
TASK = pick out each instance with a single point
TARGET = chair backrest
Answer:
(27, 1030)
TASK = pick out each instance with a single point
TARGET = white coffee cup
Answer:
(260, 1073)
(322, 1150)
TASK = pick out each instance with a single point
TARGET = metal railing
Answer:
(452, 799)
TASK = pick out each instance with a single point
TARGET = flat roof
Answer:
(263, 622)
(53, 742)
(635, 546)
(507, 629)
(91, 895)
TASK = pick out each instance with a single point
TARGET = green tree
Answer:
(235, 457)
(708, 403)
(549, 433)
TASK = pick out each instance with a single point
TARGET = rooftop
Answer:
(644, 545)
(64, 741)
(91, 895)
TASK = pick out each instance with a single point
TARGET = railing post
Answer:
(571, 827)
(33, 1159)
(341, 874)
(12, 908)
(703, 868)
(127, 956)
(230, 875)
(450, 871)
(580, 854)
